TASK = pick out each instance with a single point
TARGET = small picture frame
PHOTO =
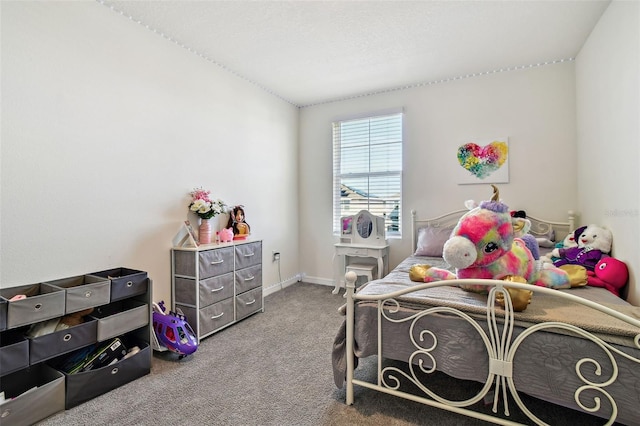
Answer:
(186, 236)
(193, 237)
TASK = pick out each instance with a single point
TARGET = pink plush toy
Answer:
(609, 273)
(226, 235)
(482, 245)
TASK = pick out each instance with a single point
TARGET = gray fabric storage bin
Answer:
(248, 254)
(214, 289)
(120, 317)
(125, 282)
(40, 403)
(61, 342)
(83, 292)
(14, 352)
(81, 387)
(3, 314)
(42, 303)
(185, 291)
(215, 262)
(248, 278)
(248, 303)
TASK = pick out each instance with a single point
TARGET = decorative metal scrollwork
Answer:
(501, 348)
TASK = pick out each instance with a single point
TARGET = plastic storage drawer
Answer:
(82, 387)
(61, 342)
(46, 388)
(125, 282)
(83, 292)
(42, 303)
(120, 317)
(14, 352)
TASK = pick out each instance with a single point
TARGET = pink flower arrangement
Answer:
(202, 205)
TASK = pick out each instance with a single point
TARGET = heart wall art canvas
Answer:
(483, 161)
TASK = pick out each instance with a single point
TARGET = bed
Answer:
(577, 348)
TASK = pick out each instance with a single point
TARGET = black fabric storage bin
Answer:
(81, 387)
(3, 314)
(38, 404)
(125, 282)
(42, 303)
(14, 352)
(61, 342)
(83, 292)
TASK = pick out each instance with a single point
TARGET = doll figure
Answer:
(236, 221)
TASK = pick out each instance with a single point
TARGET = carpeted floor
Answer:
(273, 368)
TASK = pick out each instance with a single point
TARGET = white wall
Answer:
(535, 108)
(608, 123)
(106, 126)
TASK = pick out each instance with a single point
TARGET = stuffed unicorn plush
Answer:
(482, 245)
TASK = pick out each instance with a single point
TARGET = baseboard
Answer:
(318, 280)
(283, 284)
(296, 278)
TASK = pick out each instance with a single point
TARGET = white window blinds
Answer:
(367, 169)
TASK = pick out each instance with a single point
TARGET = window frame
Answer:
(339, 176)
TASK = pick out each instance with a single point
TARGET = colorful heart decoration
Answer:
(483, 160)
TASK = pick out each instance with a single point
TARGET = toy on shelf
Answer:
(225, 235)
(173, 332)
(237, 222)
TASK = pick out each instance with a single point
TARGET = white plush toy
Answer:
(593, 243)
(568, 242)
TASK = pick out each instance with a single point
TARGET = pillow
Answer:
(431, 241)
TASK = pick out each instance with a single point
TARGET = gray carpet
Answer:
(273, 368)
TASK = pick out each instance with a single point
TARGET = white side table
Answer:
(343, 252)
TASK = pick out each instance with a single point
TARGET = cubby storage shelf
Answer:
(33, 384)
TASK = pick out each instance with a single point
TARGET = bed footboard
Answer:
(597, 390)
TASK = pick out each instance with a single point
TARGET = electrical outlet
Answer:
(276, 256)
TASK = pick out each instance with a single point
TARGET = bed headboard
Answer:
(539, 227)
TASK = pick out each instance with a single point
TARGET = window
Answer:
(367, 169)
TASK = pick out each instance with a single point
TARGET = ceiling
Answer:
(310, 52)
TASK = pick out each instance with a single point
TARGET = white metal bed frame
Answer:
(539, 227)
(500, 346)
